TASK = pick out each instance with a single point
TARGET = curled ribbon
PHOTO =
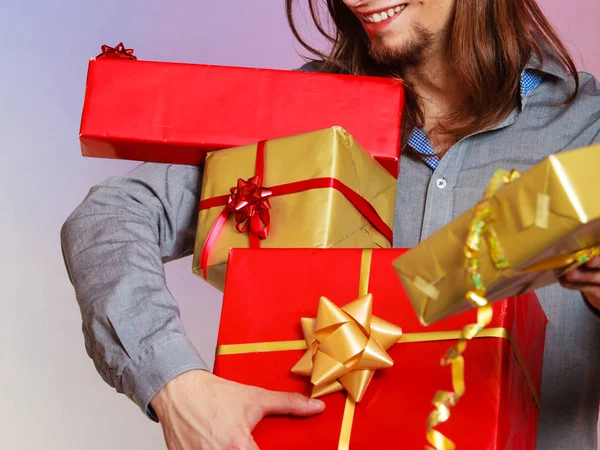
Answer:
(249, 200)
(345, 347)
(116, 52)
(481, 227)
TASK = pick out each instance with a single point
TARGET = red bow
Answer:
(117, 52)
(250, 203)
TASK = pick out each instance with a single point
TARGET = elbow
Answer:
(71, 233)
(74, 232)
(66, 245)
(65, 236)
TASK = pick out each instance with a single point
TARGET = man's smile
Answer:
(383, 14)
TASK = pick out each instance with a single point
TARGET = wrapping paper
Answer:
(176, 113)
(269, 290)
(313, 218)
(542, 218)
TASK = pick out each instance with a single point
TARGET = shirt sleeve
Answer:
(591, 308)
(114, 245)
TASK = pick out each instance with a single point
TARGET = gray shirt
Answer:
(116, 241)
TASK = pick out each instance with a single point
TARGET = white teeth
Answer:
(378, 17)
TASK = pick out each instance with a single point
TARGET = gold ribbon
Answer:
(406, 338)
(349, 409)
(345, 346)
(481, 227)
(566, 263)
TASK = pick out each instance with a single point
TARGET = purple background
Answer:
(52, 397)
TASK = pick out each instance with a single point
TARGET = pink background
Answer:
(51, 397)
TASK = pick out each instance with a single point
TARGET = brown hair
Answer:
(490, 40)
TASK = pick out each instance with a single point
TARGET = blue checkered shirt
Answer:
(530, 79)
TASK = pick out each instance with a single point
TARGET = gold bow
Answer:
(345, 347)
(382, 334)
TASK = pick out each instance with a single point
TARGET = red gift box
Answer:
(176, 113)
(268, 291)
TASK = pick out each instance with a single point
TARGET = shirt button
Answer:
(440, 183)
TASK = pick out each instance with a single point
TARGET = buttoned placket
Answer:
(439, 202)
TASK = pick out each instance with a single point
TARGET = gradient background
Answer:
(50, 395)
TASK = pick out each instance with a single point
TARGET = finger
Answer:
(293, 403)
(591, 289)
(251, 444)
(583, 275)
(594, 263)
(242, 443)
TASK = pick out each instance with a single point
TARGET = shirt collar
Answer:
(547, 63)
(536, 69)
(530, 79)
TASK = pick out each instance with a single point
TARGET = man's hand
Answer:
(586, 279)
(200, 411)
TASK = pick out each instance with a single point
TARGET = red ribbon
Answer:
(250, 202)
(116, 52)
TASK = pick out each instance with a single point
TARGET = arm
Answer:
(114, 245)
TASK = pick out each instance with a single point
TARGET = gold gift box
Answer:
(310, 219)
(549, 213)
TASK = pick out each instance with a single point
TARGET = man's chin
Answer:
(389, 55)
(398, 56)
(401, 52)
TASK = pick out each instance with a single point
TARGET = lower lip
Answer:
(376, 27)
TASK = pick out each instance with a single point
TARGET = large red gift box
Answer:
(268, 291)
(176, 113)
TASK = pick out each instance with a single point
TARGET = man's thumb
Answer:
(292, 403)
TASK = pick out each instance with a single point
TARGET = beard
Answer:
(409, 53)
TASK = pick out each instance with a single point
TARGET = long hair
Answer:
(490, 42)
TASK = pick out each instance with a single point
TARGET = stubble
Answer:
(409, 53)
